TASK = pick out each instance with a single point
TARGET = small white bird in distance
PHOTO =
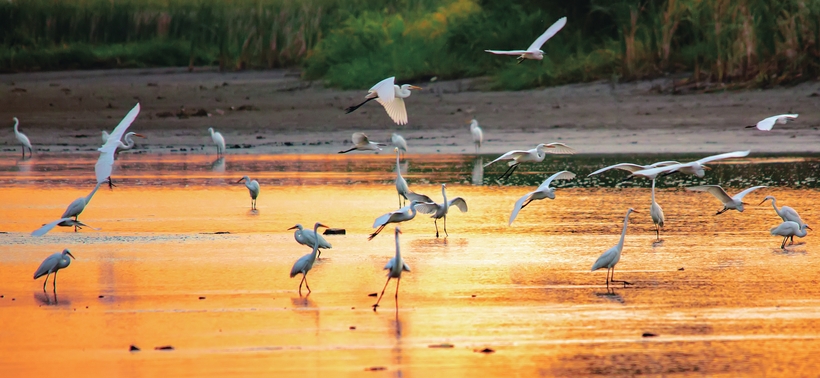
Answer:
(391, 96)
(401, 215)
(399, 142)
(785, 213)
(629, 167)
(534, 51)
(105, 164)
(361, 143)
(253, 188)
(535, 155)
(543, 191)
(478, 135)
(789, 229)
(22, 138)
(440, 210)
(611, 257)
(735, 202)
(305, 263)
(394, 267)
(52, 264)
(308, 238)
(768, 123)
(218, 140)
(696, 168)
(63, 222)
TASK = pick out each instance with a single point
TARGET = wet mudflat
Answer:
(719, 293)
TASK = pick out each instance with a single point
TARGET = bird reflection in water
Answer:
(610, 295)
(218, 165)
(46, 298)
(478, 171)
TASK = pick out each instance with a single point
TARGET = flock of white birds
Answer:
(391, 97)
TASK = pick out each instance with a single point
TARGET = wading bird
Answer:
(52, 264)
(361, 143)
(785, 213)
(535, 155)
(105, 163)
(309, 238)
(478, 135)
(543, 191)
(305, 263)
(394, 267)
(63, 222)
(253, 188)
(734, 202)
(218, 140)
(399, 142)
(439, 210)
(768, 123)
(611, 257)
(656, 213)
(789, 229)
(629, 167)
(401, 215)
(534, 51)
(696, 168)
(391, 96)
(23, 139)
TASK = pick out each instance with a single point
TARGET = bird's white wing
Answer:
(384, 218)
(559, 149)
(395, 109)
(390, 264)
(478, 135)
(359, 138)
(791, 214)
(563, 175)
(48, 227)
(518, 205)
(504, 52)
(404, 266)
(715, 190)
(558, 25)
(458, 202)
(769, 122)
(385, 89)
(653, 172)
(736, 154)
(739, 196)
(105, 164)
(662, 164)
(427, 207)
(605, 259)
(622, 166)
(508, 156)
(119, 131)
(413, 196)
(48, 264)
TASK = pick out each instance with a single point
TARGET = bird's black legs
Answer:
(301, 282)
(792, 240)
(382, 294)
(509, 171)
(110, 183)
(373, 235)
(722, 211)
(658, 232)
(54, 282)
(350, 109)
(435, 221)
(783, 244)
(607, 278)
(23, 149)
(398, 282)
(614, 280)
(445, 224)
(346, 151)
(44, 283)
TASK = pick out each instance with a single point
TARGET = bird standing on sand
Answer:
(789, 229)
(305, 263)
(23, 139)
(52, 264)
(253, 188)
(391, 96)
(611, 257)
(309, 238)
(785, 213)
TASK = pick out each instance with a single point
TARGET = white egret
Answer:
(768, 123)
(478, 135)
(73, 210)
(218, 140)
(52, 264)
(534, 51)
(63, 222)
(105, 163)
(401, 215)
(696, 168)
(656, 213)
(23, 139)
(611, 257)
(734, 202)
(543, 191)
(401, 183)
(253, 188)
(391, 96)
(786, 213)
(789, 229)
(394, 267)
(535, 155)
(309, 238)
(399, 142)
(129, 143)
(629, 167)
(361, 143)
(439, 210)
(305, 263)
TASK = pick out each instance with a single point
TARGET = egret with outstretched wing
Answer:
(391, 96)
(534, 51)
(734, 202)
(543, 191)
(535, 155)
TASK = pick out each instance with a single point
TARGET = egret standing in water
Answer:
(535, 155)
(23, 139)
(391, 96)
(394, 267)
(305, 263)
(789, 229)
(105, 163)
(439, 210)
(768, 123)
(735, 202)
(478, 135)
(534, 51)
(785, 213)
(543, 191)
(656, 213)
(362, 143)
(253, 188)
(52, 264)
(611, 257)
(309, 238)
(218, 140)
(399, 142)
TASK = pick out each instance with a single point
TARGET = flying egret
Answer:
(543, 191)
(768, 123)
(629, 167)
(308, 238)
(656, 213)
(305, 263)
(789, 229)
(361, 143)
(696, 168)
(23, 139)
(535, 155)
(611, 257)
(391, 96)
(439, 210)
(219, 141)
(63, 222)
(399, 142)
(401, 215)
(394, 267)
(105, 163)
(534, 51)
(478, 135)
(52, 264)
(253, 188)
(401, 183)
(734, 202)
(786, 213)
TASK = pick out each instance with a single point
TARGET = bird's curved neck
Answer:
(774, 205)
(623, 233)
(401, 92)
(316, 244)
(653, 190)
(88, 198)
(444, 195)
(398, 169)
(16, 123)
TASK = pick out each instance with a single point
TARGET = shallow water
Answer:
(718, 291)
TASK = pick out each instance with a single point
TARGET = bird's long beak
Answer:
(240, 180)
(761, 202)
(399, 230)
(636, 211)
(321, 225)
(809, 228)
(72, 256)
(292, 228)
(139, 135)
(415, 87)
